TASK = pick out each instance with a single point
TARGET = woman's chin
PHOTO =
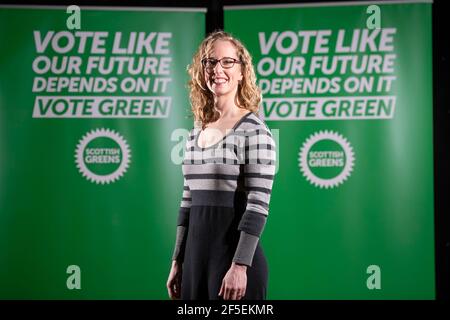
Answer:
(220, 93)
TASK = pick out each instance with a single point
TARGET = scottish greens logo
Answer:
(326, 159)
(102, 156)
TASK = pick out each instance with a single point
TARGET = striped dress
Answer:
(224, 208)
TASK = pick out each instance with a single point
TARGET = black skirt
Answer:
(210, 246)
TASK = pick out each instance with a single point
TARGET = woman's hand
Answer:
(234, 283)
(174, 280)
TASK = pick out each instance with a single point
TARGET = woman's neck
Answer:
(227, 108)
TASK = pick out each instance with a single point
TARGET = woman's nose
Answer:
(218, 67)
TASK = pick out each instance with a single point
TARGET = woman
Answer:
(228, 176)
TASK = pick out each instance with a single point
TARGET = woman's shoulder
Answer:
(191, 135)
(252, 123)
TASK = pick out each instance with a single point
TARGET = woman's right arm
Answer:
(174, 280)
(182, 224)
(184, 209)
(175, 275)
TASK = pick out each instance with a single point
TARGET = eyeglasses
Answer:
(225, 62)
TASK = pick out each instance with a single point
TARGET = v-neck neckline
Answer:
(236, 125)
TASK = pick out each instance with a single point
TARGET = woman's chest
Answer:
(225, 149)
(210, 137)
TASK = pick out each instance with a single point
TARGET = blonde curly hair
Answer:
(202, 100)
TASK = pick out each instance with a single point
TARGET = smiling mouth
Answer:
(219, 81)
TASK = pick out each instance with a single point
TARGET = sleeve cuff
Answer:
(178, 252)
(245, 249)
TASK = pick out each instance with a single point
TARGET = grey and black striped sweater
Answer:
(243, 161)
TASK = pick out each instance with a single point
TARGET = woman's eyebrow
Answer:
(212, 57)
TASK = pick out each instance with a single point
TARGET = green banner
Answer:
(92, 124)
(349, 87)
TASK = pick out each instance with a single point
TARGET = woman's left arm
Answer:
(259, 171)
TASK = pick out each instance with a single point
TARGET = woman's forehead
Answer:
(222, 48)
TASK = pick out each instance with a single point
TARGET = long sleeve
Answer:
(183, 221)
(182, 224)
(185, 206)
(259, 171)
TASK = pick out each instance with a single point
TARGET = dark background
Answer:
(441, 103)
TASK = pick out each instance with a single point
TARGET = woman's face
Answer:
(223, 82)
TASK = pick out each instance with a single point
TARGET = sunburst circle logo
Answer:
(102, 156)
(326, 159)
